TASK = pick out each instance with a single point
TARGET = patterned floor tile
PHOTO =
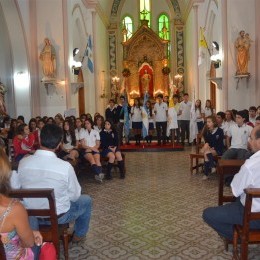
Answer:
(154, 213)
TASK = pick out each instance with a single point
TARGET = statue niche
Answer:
(144, 54)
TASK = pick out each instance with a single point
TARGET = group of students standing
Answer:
(170, 118)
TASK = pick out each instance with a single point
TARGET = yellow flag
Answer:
(202, 42)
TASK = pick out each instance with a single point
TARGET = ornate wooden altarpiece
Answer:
(146, 53)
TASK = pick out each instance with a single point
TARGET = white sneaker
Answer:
(99, 177)
(204, 177)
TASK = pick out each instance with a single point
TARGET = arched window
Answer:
(127, 27)
(164, 27)
(145, 11)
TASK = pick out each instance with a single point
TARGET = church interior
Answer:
(70, 57)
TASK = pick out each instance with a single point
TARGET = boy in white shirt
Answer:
(161, 114)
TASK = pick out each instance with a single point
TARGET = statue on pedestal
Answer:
(2, 99)
(145, 81)
(242, 45)
(48, 60)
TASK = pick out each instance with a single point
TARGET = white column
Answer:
(196, 52)
(94, 30)
(34, 65)
(66, 53)
(225, 54)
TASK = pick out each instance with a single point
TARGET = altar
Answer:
(145, 55)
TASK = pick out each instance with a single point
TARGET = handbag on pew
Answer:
(48, 252)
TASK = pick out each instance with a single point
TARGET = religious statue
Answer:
(242, 45)
(2, 99)
(48, 60)
(145, 81)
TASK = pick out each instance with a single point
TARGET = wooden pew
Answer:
(225, 168)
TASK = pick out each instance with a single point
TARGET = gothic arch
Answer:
(174, 3)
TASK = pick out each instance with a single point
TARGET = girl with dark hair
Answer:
(33, 129)
(50, 120)
(23, 142)
(16, 234)
(209, 110)
(90, 142)
(79, 128)
(109, 142)
(12, 131)
(69, 143)
(214, 145)
(136, 114)
(199, 115)
(99, 123)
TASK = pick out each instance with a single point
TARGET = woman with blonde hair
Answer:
(16, 234)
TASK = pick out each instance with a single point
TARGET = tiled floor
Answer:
(155, 213)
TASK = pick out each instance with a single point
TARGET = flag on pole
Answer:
(202, 46)
(89, 55)
(145, 116)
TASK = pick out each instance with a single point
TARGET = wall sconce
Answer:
(21, 80)
(216, 59)
(215, 45)
(75, 52)
(76, 67)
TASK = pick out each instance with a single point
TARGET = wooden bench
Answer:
(53, 232)
(243, 232)
(225, 168)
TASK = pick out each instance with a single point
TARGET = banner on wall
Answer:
(202, 47)
(89, 55)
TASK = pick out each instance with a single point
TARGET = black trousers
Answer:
(161, 131)
(185, 130)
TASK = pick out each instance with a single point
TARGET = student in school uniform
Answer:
(90, 141)
(108, 144)
(161, 114)
(214, 145)
(136, 114)
(209, 110)
(172, 123)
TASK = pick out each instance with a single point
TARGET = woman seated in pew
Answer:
(90, 142)
(214, 145)
(109, 142)
(16, 234)
(23, 142)
(69, 143)
(99, 123)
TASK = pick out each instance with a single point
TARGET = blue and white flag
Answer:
(126, 117)
(145, 116)
(89, 55)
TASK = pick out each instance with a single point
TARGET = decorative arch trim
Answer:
(174, 3)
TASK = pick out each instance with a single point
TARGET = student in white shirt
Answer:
(222, 218)
(45, 170)
(90, 141)
(172, 124)
(69, 142)
(99, 123)
(161, 114)
(252, 114)
(238, 134)
(136, 115)
(209, 110)
(184, 118)
(200, 114)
